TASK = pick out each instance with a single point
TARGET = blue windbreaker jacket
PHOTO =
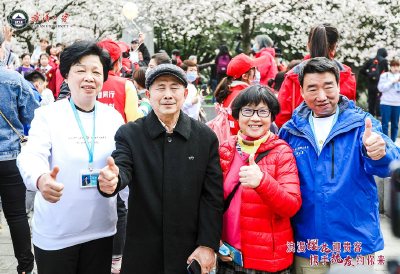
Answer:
(338, 190)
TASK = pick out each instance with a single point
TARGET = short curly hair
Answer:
(255, 95)
(74, 53)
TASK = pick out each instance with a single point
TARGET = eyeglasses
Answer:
(262, 113)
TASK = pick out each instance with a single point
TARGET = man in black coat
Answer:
(171, 164)
(383, 64)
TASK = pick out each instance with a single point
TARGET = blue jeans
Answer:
(390, 113)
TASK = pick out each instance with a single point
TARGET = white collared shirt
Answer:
(166, 127)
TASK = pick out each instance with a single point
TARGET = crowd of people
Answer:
(110, 147)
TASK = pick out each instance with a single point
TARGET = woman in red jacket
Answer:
(263, 46)
(257, 221)
(322, 42)
(241, 73)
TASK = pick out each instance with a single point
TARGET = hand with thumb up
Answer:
(50, 189)
(251, 175)
(108, 179)
(373, 142)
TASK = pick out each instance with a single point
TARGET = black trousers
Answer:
(92, 257)
(12, 192)
(373, 101)
(119, 238)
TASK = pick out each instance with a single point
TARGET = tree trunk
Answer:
(246, 34)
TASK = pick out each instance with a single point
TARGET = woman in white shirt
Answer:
(389, 85)
(69, 141)
(44, 42)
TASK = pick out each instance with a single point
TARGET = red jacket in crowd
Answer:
(113, 93)
(51, 79)
(290, 97)
(53, 62)
(270, 69)
(178, 61)
(236, 88)
(59, 81)
(266, 210)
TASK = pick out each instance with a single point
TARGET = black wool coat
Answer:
(176, 192)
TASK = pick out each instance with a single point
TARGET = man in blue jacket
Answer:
(338, 148)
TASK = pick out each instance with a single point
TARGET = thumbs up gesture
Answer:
(251, 175)
(373, 142)
(50, 189)
(108, 178)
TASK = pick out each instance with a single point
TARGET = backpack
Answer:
(220, 124)
(373, 71)
(223, 62)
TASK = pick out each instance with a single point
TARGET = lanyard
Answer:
(311, 121)
(91, 148)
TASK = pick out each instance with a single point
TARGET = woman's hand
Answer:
(50, 189)
(222, 257)
(251, 175)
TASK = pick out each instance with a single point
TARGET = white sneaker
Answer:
(116, 265)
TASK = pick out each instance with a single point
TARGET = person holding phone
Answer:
(261, 189)
(193, 100)
(175, 182)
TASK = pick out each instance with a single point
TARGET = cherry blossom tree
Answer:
(364, 25)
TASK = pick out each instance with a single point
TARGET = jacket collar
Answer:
(112, 73)
(155, 128)
(239, 83)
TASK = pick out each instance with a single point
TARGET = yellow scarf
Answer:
(251, 147)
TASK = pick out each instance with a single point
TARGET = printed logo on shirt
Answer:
(298, 151)
(78, 140)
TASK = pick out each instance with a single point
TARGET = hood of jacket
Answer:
(269, 50)
(382, 52)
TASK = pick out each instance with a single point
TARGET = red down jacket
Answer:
(291, 86)
(266, 210)
(268, 70)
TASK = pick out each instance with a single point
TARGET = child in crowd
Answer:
(26, 64)
(46, 95)
(48, 71)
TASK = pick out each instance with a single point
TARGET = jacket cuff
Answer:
(208, 244)
(114, 193)
(33, 186)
